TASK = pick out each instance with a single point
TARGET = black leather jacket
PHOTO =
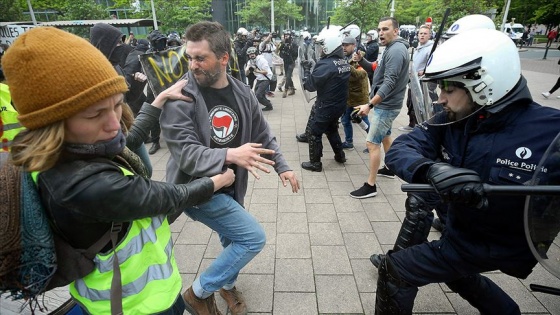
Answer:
(83, 198)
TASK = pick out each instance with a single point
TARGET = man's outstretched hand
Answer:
(291, 177)
(249, 157)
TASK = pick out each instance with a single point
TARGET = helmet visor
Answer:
(429, 110)
(319, 48)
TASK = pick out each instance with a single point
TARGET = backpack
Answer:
(33, 259)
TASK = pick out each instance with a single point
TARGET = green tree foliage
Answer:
(175, 15)
(11, 11)
(83, 10)
(537, 11)
(407, 11)
(364, 13)
(257, 13)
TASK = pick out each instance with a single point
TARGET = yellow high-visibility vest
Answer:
(8, 119)
(149, 274)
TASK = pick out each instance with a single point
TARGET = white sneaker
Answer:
(545, 94)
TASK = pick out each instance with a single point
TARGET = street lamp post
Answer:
(271, 16)
(31, 12)
(392, 8)
(154, 15)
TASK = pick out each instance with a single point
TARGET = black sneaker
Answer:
(385, 172)
(267, 108)
(366, 191)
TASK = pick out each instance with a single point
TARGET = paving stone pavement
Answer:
(319, 240)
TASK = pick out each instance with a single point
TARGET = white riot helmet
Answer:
(327, 41)
(373, 34)
(469, 22)
(352, 30)
(242, 31)
(306, 35)
(475, 61)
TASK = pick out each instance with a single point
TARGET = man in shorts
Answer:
(386, 99)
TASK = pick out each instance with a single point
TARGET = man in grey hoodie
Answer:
(386, 99)
(222, 127)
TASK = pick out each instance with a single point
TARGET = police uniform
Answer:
(503, 149)
(330, 79)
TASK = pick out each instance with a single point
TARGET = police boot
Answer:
(340, 157)
(315, 152)
(394, 296)
(376, 259)
(312, 166)
(302, 137)
(416, 224)
(291, 91)
(336, 145)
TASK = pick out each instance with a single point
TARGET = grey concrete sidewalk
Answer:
(316, 260)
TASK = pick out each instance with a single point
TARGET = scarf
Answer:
(109, 148)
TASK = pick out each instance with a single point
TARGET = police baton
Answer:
(545, 190)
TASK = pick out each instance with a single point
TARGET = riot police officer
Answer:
(288, 51)
(330, 79)
(481, 132)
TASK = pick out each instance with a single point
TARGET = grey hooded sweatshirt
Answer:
(391, 76)
(186, 128)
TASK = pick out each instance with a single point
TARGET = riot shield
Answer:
(542, 212)
(417, 96)
(164, 68)
(306, 52)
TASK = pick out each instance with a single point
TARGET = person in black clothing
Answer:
(240, 45)
(132, 67)
(329, 78)
(158, 42)
(372, 49)
(289, 53)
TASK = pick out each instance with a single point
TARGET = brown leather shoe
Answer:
(285, 93)
(235, 301)
(197, 306)
(291, 91)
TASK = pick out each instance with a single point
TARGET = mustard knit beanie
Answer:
(53, 75)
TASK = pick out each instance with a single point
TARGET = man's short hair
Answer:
(425, 26)
(392, 19)
(213, 32)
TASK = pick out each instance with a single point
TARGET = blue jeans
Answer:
(142, 153)
(381, 124)
(347, 124)
(240, 234)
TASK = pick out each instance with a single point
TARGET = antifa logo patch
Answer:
(225, 124)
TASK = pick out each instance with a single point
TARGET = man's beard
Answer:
(207, 78)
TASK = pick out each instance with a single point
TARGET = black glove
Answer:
(457, 185)
(306, 64)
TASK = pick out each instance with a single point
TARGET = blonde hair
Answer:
(127, 118)
(38, 149)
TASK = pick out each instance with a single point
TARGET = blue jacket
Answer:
(504, 148)
(330, 79)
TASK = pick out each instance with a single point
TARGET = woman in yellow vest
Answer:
(70, 101)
